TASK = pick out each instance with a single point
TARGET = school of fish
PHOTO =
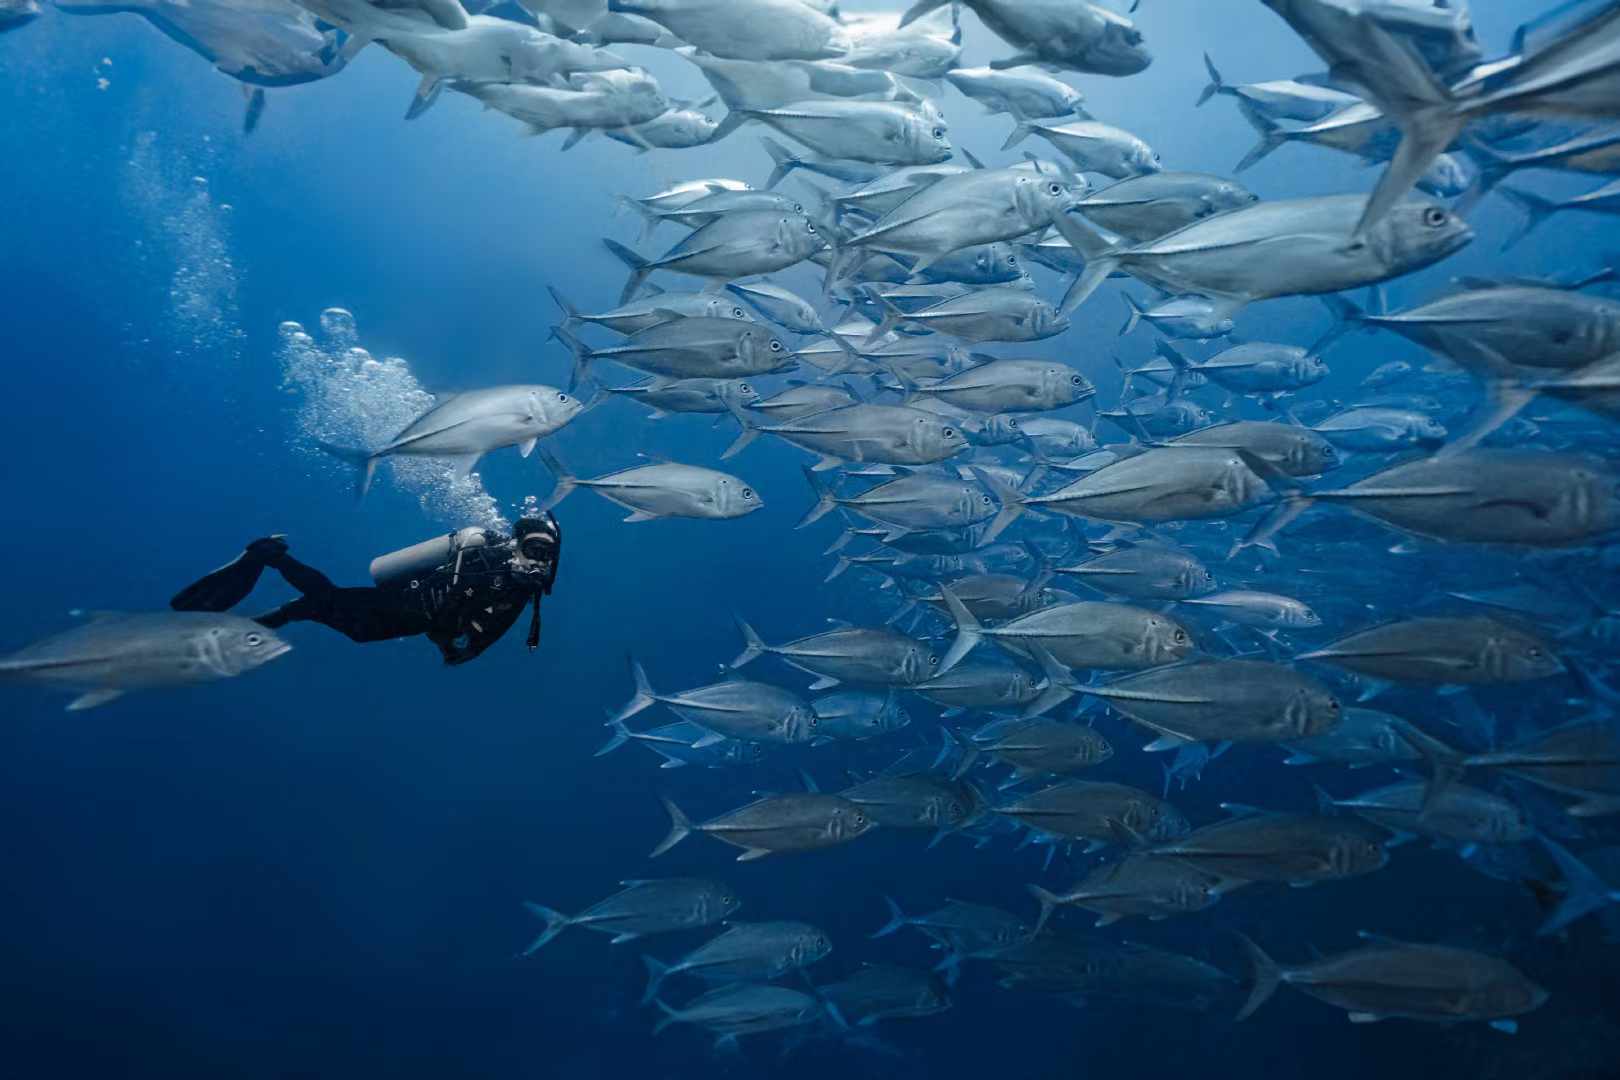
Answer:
(1053, 584)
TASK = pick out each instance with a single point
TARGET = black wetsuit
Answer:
(463, 607)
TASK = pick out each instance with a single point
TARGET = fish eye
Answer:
(933, 661)
(745, 388)
(797, 208)
(738, 313)
(563, 398)
(1012, 260)
(950, 433)
(748, 493)
(985, 499)
(1181, 637)
(255, 639)
(810, 226)
(939, 133)
(1054, 188)
(776, 346)
(814, 720)
(860, 818)
(1075, 379)
(1434, 217)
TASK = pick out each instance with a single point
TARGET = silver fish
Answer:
(642, 908)
(1144, 885)
(736, 708)
(1306, 243)
(1155, 204)
(113, 654)
(1067, 34)
(663, 490)
(1093, 147)
(467, 426)
(775, 824)
(1471, 650)
(1415, 982)
(745, 29)
(746, 952)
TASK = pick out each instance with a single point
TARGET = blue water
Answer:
(316, 870)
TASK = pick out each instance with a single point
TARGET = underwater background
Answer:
(318, 871)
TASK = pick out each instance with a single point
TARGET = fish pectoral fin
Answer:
(92, 699)
(1364, 1018)
(622, 938)
(753, 853)
(711, 739)
(824, 683)
(462, 465)
(527, 446)
(1167, 742)
(640, 516)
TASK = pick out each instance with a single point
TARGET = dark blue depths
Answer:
(317, 870)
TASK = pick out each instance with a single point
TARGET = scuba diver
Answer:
(463, 590)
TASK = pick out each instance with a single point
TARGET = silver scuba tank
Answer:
(400, 567)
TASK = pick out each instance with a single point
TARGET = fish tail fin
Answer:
(556, 922)
(1270, 135)
(621, 735)
(649, 220)
(1022, 130)
(1060, 682)
(570, 312)
(744, 437)
(1134, 312)
(1427, 132)
(1537, 210)
(644, 697)
(785, 159)
(968, 631)
(1265, 975)
(921, 8)
(735, 119)
(1584, 893)
(839, 569)
(892, 317)
(1216, 86)
(1012, 504)
(566, 481)
(897, 919)
(826, 501)
(680, 827)
(583, 353)
(670, 1017)
(1101, 260)
(427, 92)
(753, 646)
(1049, 902)
(365, 464)
(1264, 533)
(639, 269)
(253, 109)
(657, 971)
(1347, 317)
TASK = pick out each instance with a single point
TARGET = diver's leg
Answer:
(306, 579)
(228, 586)
(361, 615)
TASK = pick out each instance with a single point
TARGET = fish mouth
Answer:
(278, 650)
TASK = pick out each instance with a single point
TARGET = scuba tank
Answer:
(398, 569)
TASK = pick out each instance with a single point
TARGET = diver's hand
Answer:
(268, 549)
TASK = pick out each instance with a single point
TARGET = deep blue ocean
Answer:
(318, 869)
